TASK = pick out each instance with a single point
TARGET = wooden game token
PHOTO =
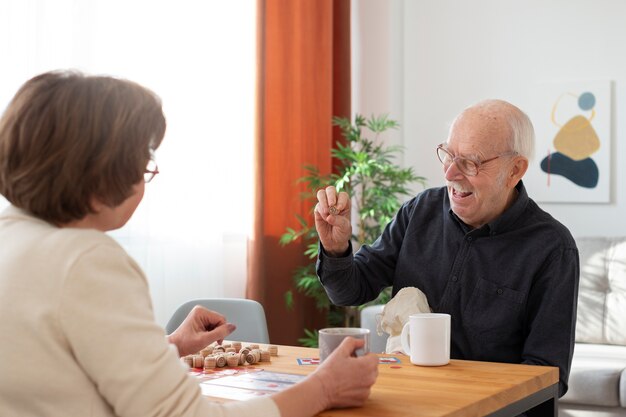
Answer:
(209, 363)
(232, 360)
(253, 346)
(198, 361)
(250, 358)
(333, 210)
(237, 346)
(231, 350)
(220, 361)
(244, 351)
(273, 350)
(188, 360)
(265, 356)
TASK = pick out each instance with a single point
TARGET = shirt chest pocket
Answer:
(494, 309)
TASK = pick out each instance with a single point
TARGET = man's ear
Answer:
(518, 169)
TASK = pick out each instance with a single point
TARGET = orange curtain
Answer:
(303, 80)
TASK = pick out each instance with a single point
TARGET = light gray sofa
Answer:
(597, 382)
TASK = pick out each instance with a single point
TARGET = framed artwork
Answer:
(572, 162)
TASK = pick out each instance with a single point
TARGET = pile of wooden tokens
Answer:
(229, 354)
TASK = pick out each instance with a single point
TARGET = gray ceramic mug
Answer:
(332, 337)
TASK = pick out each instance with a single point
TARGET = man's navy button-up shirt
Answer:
(511, 286)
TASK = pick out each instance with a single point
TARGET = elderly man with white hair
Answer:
(479, 248)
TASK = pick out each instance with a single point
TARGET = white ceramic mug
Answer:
(332, 337)
(426, 338)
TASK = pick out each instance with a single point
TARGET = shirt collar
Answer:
(510, 215)
(502, 222)
(13, 212)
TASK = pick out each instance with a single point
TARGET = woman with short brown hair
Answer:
(79, 336)
(108, 129)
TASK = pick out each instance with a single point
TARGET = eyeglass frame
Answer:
(478, 164)
(149, 174)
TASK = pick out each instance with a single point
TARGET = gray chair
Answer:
(368, 321)
(247, 315)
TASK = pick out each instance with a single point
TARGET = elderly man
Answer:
(479, 248)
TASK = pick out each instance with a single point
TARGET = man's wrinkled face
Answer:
(478, 136)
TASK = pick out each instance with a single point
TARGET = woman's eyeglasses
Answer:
(151, 170)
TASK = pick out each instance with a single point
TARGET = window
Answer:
(189, 234)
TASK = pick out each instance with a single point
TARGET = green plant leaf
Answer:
(289, 299)
(367, 170)
(310, 339)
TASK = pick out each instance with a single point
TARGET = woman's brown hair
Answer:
(66, 138)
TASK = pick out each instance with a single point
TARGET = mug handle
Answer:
(404, 339)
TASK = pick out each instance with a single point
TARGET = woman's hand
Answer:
(341, 381)
(200, 328)
(346, 380)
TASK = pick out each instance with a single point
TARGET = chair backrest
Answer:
(247, 315)
(369, 321)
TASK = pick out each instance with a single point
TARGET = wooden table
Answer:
(461, 388)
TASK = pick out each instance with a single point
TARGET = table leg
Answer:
(543, 403)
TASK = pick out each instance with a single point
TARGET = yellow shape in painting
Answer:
(577, 139)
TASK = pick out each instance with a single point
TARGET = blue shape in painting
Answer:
(583, 173)
(586, 101)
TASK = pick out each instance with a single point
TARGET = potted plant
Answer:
(366, 171)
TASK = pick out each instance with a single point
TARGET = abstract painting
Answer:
(572, 162)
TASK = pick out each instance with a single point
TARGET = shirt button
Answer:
(455, 278)
(499, 291)
(469, 238)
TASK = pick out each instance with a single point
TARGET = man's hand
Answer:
(332, 220)
(200, 328)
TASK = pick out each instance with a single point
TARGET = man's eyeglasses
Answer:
(467, 166)
(151, 170)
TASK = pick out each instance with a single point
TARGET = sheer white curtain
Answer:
(189, 234)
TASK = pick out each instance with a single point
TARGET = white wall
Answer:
(377, 56)
(455, 53)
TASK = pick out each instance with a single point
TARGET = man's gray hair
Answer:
(522, 138)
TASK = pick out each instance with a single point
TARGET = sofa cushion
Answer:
(602, 291)
(597, 376)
